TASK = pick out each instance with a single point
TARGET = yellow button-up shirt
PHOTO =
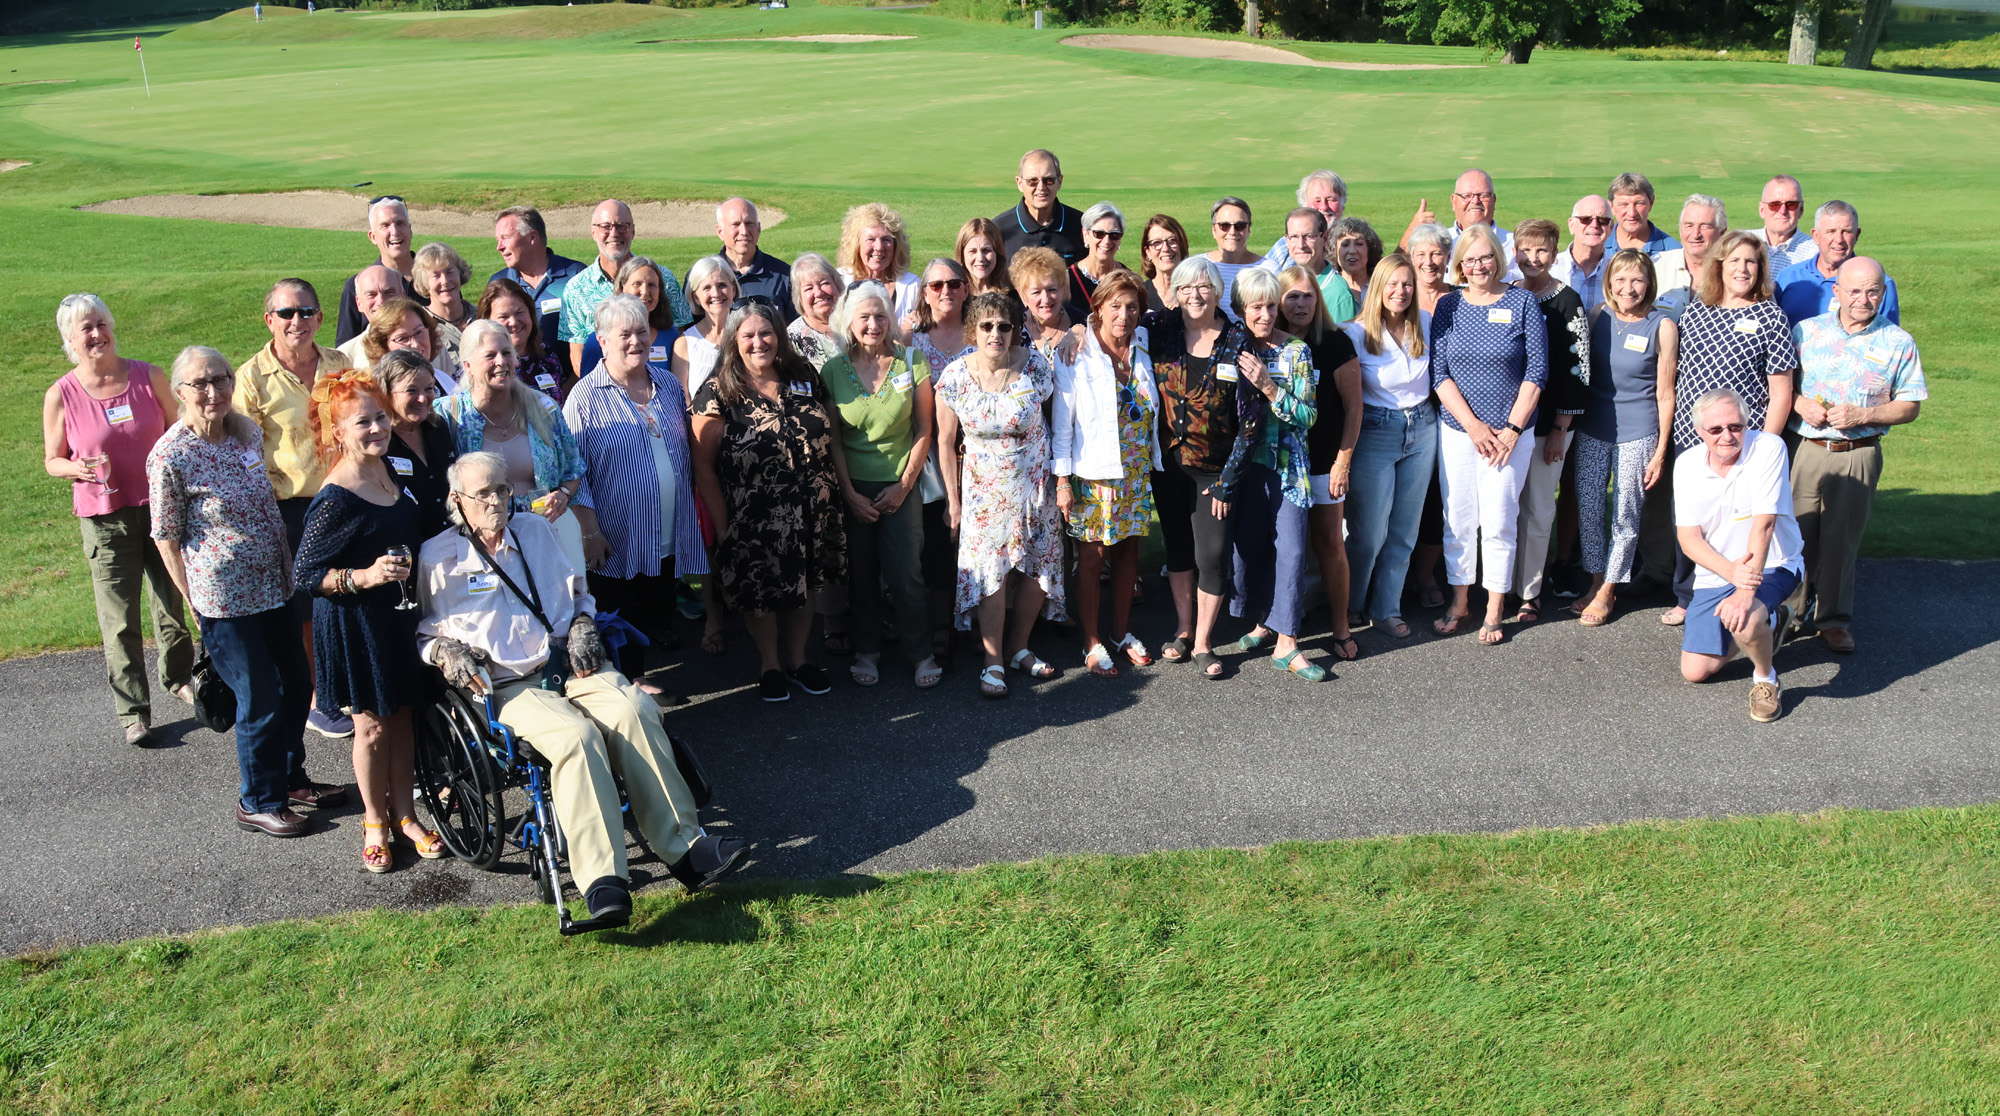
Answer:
(270, 396)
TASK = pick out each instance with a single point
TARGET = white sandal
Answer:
(1025, 661)
(993, 682)
(1135, 651)
(866, 669)
(929, 673)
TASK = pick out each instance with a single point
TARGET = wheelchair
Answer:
(467, 762)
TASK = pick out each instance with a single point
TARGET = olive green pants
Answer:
(119, 547)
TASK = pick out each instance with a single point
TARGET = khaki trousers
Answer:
(122, 557)
(1832, 494)
(605, 725)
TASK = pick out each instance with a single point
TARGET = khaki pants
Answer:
(1538, 518)
(604, 725)
(1832, 494)
(120, 550)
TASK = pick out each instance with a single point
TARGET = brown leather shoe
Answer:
(1838, 640)
(281, 822)
(140, 736)
(319, 796)
(1766, 701)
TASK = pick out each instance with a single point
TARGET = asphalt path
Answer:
(1561, 726)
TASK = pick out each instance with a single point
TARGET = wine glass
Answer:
(100, 468)
(402, 587)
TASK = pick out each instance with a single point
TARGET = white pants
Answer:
(1538, 519)
(1482, 505)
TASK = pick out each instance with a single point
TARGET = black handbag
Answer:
(214, 701)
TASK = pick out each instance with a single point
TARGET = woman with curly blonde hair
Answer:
(874, 245)
(360, 539)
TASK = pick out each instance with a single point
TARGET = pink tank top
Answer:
(123, 427)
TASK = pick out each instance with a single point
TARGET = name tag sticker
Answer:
(1635, 342)
(252, 461)
(1025, 393)
(802, 389)
(1500, 314)
(1225, 373)
(118, 414)
(404, 466)
(903, 382)
(1748, 325)
(481, 583)
(1876, 355)
(545, 381)
(658, 352)
(551, 305)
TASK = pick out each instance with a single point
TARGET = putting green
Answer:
(566, 105)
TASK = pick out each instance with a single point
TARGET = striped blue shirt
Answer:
(613, 435)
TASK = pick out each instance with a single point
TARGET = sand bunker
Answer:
(1231, 51)
(333, 209)
(793, 39)
(12, 165)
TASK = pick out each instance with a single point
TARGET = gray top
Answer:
(1624, 368)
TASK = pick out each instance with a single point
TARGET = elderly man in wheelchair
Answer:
(505, 610)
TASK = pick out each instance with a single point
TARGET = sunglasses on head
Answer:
(385, 197)
(752, 300)
(290, 312)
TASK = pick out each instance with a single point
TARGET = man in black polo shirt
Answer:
(759, 274)
(1041, 219)
(389, 231)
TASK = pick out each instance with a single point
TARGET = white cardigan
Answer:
(1086, 416)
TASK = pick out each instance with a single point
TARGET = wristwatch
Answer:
(1517, 430)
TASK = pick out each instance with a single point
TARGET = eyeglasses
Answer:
(218, 384)
(1485, 195)
(1158, 245)
(945, 285)
(1232, 226)
(752, 300)
(1785, 206)
(1476, 261)
(496, 496)
(625, 226)
(1593, 222)
(1716, 431)
(1102, 234)
(290, 312)
(1198, 288)
(1052, 180)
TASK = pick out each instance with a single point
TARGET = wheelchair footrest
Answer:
(574, 926)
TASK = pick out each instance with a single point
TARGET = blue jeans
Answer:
(1269, 533)
(1394, 460)
(264, 662)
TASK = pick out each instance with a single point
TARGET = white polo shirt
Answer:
(1725, 507)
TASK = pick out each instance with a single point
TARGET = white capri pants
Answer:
(1482, 506)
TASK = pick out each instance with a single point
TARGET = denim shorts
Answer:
(1705, 635)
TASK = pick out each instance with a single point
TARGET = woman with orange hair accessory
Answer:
(355, 558)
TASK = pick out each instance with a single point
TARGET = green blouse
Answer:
(877, 430)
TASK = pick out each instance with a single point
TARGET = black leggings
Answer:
(1195, 539)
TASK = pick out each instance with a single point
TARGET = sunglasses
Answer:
(1716, 431)
(752, 300)
(996, 325)
(1785, 206)
(1129, 400)
(290, 312)
(1052, 180)
(1101, 234)
(1233, 226)
(385, 197)
(945, 285)
(1593, 222)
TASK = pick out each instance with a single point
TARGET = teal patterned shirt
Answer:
(1272, 433)
(588, 288)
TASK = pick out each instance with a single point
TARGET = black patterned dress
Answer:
(785, 537)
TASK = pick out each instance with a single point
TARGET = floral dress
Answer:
(785, 536)
(1007, 515)
(1108, 513)
(816, 347)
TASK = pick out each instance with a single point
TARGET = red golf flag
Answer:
(136, 46)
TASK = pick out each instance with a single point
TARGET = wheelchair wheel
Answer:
(458, 782)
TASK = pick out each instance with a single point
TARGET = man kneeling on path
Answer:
(1733, 497)
(500, 595)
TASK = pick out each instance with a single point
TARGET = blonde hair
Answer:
(1634, 259)
(1709, 287)
(1321, 320)
(872, 215)
(436, 258)
(1030, 264)
(1455, 274)
(1371, 308)
(72, 309)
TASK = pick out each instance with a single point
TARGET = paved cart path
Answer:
(1561, 726)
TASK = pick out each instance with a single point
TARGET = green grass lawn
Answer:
(569, 105)
(1825, 964)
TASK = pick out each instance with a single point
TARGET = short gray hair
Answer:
(1833, 208)
(1099, 212)
(841, 321)
(493, 463)
(1719, 395)
(705, 267)
(72, 310)
(810, 264)
(619, 310)
(396, 203)
(527, 216)
(1193, 270)
(1631, 183)
(196, 358)
(745, 201)
(1256, 283)
(1708, 201)
(1433, 234)
(1338, 183)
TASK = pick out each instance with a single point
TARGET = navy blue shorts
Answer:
(1705, 635)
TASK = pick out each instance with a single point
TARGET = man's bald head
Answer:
(374, 286)
(1472, 198)
(611, 227)
(1859, 286)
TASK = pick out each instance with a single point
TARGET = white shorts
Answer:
(1321, 495)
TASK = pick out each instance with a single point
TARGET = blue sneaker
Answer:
(688, 602)
(337, 727)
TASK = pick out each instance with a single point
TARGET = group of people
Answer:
(521, 489)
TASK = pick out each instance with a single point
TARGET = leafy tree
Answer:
(1512, 26)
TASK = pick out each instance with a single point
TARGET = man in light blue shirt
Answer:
(1581, 267)
(1805, 290)
(1322, 190)
(1781, 206)
(1632, 200)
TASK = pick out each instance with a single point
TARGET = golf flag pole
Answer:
(142, 65)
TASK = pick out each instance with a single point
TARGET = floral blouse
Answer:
(557, 461)
(216, 502)
(1272, 433)
(816, 347)
(1198, 415)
